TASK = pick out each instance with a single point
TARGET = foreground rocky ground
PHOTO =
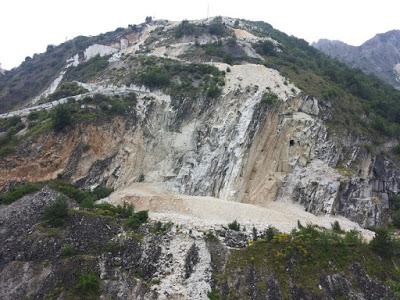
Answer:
(96, 255)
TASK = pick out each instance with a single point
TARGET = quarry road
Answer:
(203, 213)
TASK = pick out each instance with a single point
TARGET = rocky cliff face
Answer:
(236, 147)
(196, 113)
(379, 56)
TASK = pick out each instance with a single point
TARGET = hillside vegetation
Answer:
(360, 102)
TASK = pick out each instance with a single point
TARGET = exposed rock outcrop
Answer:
(379, 56)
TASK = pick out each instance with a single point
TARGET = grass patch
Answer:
(19, 191)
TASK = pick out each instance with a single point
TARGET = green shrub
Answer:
(353, 238)
(56, 213)
(270, 233)
(214, 49)
(122, 211)
(137, 219)
(265, 48)
(125, 211)
(228, 59)
(68, 251)
(87, 202)
(213, 295)
(395, 202)
(88, 284)
(185, 28)
(155, 77)
(162, 228)
(7, 149)
(217, 28)
(61, 117)
(213, 91)
(270, 99)
(383, 243)
(102, 192)
(395, 287)
(19, 191)
(234, 226)
(396, 218)
(336, 227)
(396, 149)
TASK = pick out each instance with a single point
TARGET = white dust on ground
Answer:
(204, 213)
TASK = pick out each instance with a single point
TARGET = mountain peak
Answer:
(379, 55)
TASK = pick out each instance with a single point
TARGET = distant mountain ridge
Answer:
(379, 55)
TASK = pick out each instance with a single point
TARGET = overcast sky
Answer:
(28, 26)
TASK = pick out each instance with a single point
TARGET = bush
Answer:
(213, 295)
(382, 243)
(396, 149)
(155, 77)
(270, 233)
(395, 202)
(228, 59)
(88, 284)
(19, 191)
(137, 219)
(87, 202)
(234, 226)
(217, 28)
(265, 48)
(125, 211)
(61, 117)
(270, 99)
(213, 91)
(336, 227)
(68, 251)
(353, 238)
(101, 192)
(57, 212)
(185, 28)
(396, 218)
